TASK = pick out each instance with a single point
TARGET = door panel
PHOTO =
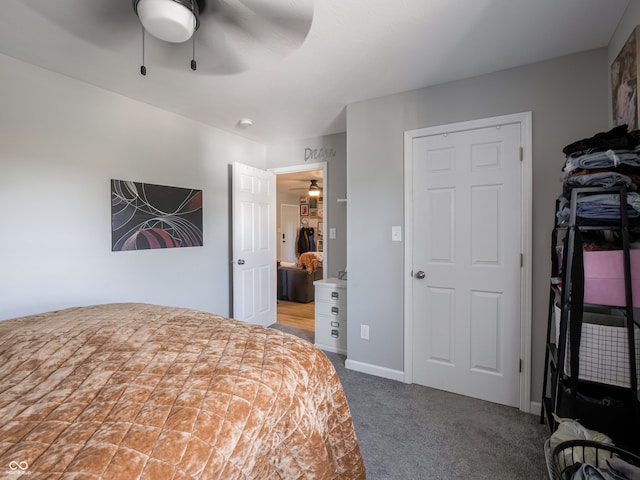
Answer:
(254, 248)
(466, 237)
(485, 331)
(441, 214)
(442, 332)
(485, 225)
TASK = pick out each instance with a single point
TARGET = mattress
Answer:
(136, 391)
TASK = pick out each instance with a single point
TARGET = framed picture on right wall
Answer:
(624, 83)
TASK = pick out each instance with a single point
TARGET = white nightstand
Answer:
(331, 315)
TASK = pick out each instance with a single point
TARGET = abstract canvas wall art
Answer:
(147, 216)
(624, 83)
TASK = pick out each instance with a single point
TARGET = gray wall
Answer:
(332, 150)
(569, 100)
(61, 141)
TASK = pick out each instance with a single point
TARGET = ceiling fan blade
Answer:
(217, 56)
(275, 34)
(109, 24)
(213, 53)
(260, 32)
(234, 35)
(302, 9)
(269, 20)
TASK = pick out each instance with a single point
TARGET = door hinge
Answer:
(521, 154)
(520, 366)
(521, 260)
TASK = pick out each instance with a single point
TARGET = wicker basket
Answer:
(564, 456)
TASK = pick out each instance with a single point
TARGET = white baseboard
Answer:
(374, 370)
(535, 408)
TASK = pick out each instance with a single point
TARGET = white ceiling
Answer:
(355, 50)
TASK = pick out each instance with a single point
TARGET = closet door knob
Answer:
(420, 275)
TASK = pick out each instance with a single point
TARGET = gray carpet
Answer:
(298, 332)
(410, 432)
(414, 432)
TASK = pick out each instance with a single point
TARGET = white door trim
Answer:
(308, 167)
(524, 119)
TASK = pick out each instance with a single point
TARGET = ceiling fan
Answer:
(229, 36)
(173, 21)
(298, 185)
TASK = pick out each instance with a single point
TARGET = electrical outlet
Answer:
(364, 332)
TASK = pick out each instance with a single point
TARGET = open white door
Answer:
(254, 245)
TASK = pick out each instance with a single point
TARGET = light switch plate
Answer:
(396, 234)
(332, 233)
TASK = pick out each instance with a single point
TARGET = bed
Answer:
(136, 391)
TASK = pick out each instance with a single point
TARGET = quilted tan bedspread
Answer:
(128, 391)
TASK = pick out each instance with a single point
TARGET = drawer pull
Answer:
(335, 310)
(335, 324)
(334, 333)
(335, 295)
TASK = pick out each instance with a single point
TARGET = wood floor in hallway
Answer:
(298, 315)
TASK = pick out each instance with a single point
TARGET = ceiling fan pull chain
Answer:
(193, 57)
(143, 69)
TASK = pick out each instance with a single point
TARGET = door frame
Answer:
(307, 167)
(524, 119)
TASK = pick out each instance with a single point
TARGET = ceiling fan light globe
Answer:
(167, 20)
(314, 189)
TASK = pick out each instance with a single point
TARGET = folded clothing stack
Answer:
(607, 159)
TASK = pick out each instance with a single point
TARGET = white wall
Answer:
(568, 98)
(61, 141)
(332, 150)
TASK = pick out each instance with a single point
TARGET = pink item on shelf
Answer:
(604, 277)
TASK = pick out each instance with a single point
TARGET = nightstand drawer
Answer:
(331, 309)
(331, 332)
(335, 295)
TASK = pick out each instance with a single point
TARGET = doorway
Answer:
(296, 209)
(467, 324)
